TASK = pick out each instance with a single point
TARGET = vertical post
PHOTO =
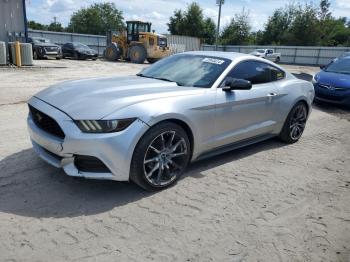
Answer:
(25, 21)
(18, 54)
(318, 56)
(218, 28)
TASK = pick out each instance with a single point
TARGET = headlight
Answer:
(104, 126)
(315, 79)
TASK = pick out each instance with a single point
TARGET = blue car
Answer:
(332, 84)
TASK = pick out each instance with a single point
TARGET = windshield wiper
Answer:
(159, 78)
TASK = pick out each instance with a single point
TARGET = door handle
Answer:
(271, 94)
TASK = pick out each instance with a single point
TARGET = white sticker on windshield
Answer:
(213, 61)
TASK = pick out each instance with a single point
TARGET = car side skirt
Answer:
(233, 146)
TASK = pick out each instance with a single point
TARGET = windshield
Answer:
(81, 46)
(41, 40)
(339, 66)
(260, 51)
(188, 70)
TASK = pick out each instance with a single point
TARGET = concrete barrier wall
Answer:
(302, 55)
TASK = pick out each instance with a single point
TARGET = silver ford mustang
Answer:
(147, 128)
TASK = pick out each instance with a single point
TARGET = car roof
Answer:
(228, 55)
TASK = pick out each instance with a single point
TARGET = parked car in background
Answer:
(267, 54)
(78, 51)
(43, 48)
(332, 83)
(345, 54)
(147, 127)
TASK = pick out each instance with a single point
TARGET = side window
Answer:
(276, 74)
(256, 72)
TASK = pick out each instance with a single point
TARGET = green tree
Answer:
(96, 19)
(304, 28)
(209, 31)
(175, 24)
(192, 22)
(56, 27)
(324, 12)
(36, 26)
(277, 25)
(238, 31)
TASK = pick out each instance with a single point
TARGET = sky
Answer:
(159, 11)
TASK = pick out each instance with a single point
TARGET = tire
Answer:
(137, 54)
(58, 58)
(112, 52)
(152, 60)
(35, 55)
(296, 120)
(76, 56)
(277, 59)
(151, 148)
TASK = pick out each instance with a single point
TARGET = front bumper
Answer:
(113, 149)
(332, 96)
(88, 56)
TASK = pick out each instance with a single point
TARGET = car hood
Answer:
(97, 98)
(333, 79)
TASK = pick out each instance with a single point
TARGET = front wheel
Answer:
(295, 123)
(160, 157)
(137, 54)
(35, 55)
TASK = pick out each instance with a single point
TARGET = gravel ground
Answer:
(268, 202)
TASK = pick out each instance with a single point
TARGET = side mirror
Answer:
(322, 67)
(236, 84)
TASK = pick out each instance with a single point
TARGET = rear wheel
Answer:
(295, 124)
(160, 157)
(277, 59)
(137, 54)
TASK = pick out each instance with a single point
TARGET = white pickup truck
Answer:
(267, 54)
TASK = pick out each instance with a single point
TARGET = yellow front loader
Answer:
(136, 44)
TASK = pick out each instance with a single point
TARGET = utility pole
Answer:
(220, 3)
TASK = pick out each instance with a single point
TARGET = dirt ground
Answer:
(268, 202)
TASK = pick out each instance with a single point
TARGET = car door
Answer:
(269, 54)
(69, 49)
(243, 114)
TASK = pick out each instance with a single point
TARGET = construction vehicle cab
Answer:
(137, 43)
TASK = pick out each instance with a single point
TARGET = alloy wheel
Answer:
(165, 158)
(298, 122)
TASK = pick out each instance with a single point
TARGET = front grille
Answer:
(90, 164)
(332, 88)
(51, 49)
(46, 123)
